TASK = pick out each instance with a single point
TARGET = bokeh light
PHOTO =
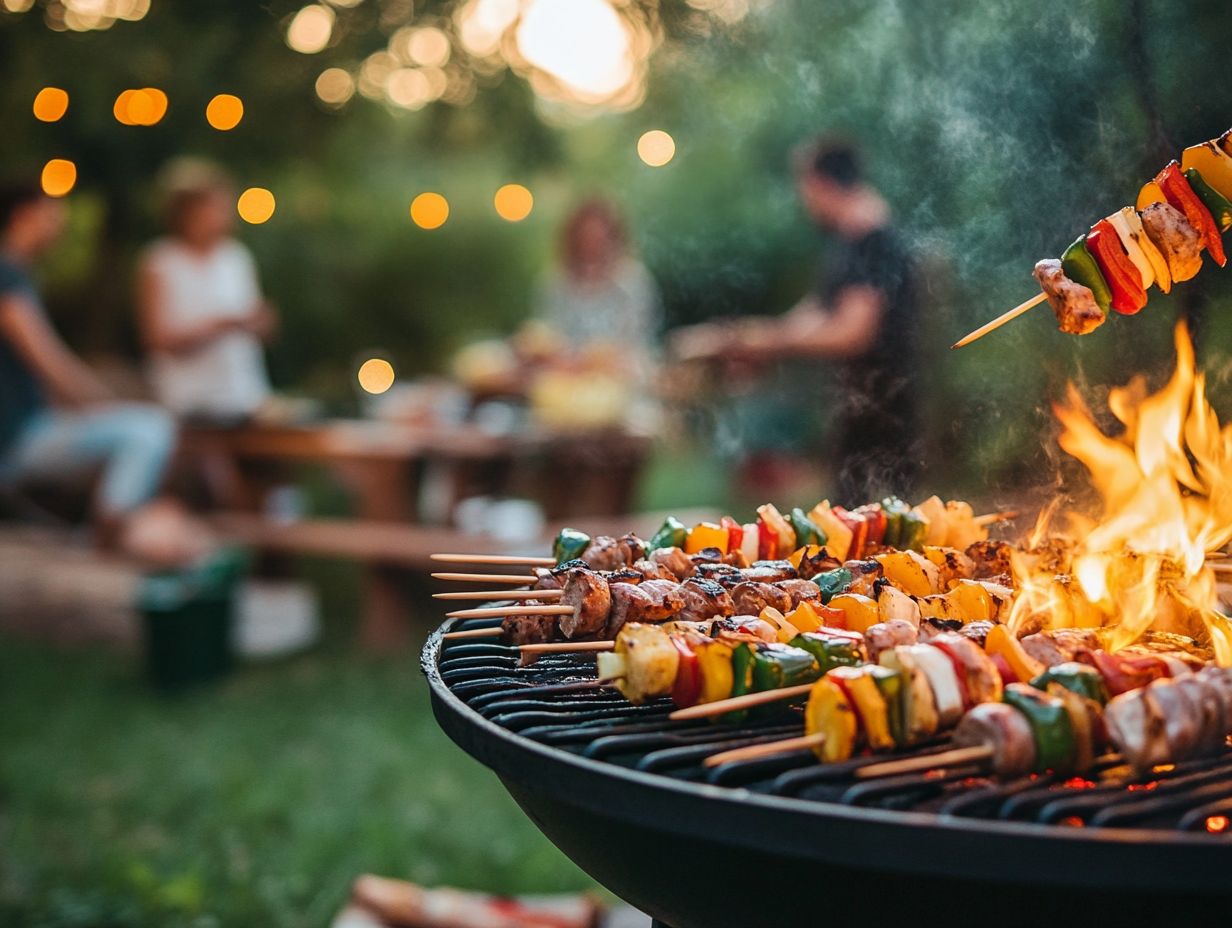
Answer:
(224, 112)
(255, 205)
(429, 210)
(656, 148)
(59, 176)
(18, 6)
(513, 202)
(481, 23)
(311, 29)
(584, 45)
(50, 104)
(335, 86)
(376, 375)
(144, 107)
(428, 47)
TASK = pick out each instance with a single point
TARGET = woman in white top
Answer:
(202, 314)
(602, 294)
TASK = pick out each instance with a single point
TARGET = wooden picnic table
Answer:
(383, 465)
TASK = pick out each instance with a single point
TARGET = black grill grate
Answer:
(555, 702)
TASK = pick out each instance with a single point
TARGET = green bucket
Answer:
(187, 620)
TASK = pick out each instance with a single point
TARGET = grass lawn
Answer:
(253, 804)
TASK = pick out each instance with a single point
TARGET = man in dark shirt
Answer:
(58, 422)
(862, 315)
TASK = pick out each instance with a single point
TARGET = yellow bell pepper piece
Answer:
(829, 713)
(805, 618)
(807, 551)
(870, 705)
(905, 570)
(861, 611)
(1150, 193)
(705, 535)
(838, 535)
(786, 630)
(714, 660)
(1002, 641)
(1213, 163)
(971, 601)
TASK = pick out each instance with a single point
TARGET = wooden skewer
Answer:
(486, 578)
(1220, 568)
(496, 611)
(566, 647)
(976, 754)
(495, 595)
(991, 518)
(754, 751)
(747, 701)
(509, 559)
(1000, 320)
(474, 633)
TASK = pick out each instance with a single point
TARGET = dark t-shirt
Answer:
(21, 394)
(877, 408)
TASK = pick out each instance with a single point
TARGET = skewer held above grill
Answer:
(500, 611)
(506, 559)
(748, 701)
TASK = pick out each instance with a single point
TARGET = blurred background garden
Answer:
(414, 161)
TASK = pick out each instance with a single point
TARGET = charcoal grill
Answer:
(784, 841)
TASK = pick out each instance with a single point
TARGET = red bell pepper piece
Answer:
(1128, 295)
(859, 530)
(1122, 674)
(735, 532)
(767, 542)
(1003, 667)
(876, 525)
(1181, 196)
(687, 686)
(832, 619)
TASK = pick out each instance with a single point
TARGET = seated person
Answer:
(59, 423)
(202, 315)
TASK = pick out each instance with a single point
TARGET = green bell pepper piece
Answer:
(570, 544)
(807, 532)
(915, 529)
(890, 686)
(1055, 748)
(1080, 267)
(671, 534)
(894, 509)
(833, 582)
(1077, 678)
(829, 651)
(778, 665)
(1219, 205)
(742, 679)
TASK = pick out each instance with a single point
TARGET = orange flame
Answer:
(1166, 488)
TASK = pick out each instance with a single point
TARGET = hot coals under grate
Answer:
(784, 840)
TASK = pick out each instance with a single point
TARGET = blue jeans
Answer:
(131, 442)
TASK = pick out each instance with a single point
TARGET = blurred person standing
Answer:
(861, 315)
(602, 295)
(59, 423)
(201, 312)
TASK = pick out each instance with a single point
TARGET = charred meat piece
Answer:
(604, 553)
(977, 631)
(1060, 645)
(751, 597)
(736, 559)
(1179, 241)
(674, 561)
(770, 571)
(885, 635)
(723, 574)
(817, 563)
(590, 596)
(1004, 729)
(990, 559)
(800, 591)
(651, 601)
(547, 579)
(1074, 304)
(705, 599)
(632, 548)
(863, 575)
(744, 628)
(529, 629)
(646, 569)
(930, 628)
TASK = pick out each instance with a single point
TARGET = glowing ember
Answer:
(1165, 484)
(1217, 824)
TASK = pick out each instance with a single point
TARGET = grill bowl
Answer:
(697, 855)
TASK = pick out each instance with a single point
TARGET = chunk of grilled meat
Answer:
(590, 596)
(863, 575)
(751, 597)
(1060, 645)
(800, 591)
(650, 601)
(608, 553)
(529, 629)
(990, 559)
(705, 599)
(647, 569)
(723, 574)
(882, 636)
(770, 571)
(674, 561)
(1179, 241)
(817, 563)
(1074, 304)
